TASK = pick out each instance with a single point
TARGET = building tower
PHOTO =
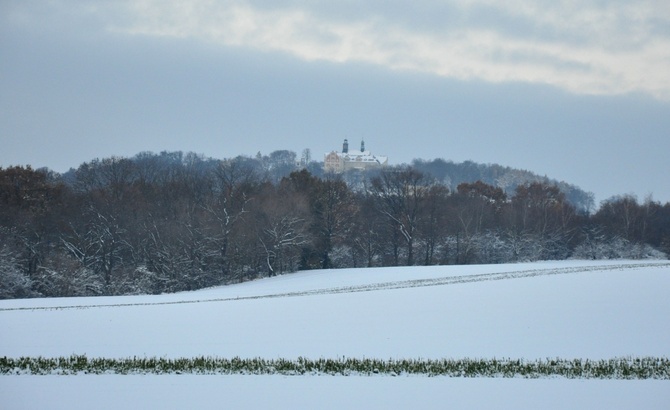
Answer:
(345, 147)
(362, 145)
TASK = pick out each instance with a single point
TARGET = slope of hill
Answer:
(508, 179)
(567, 310)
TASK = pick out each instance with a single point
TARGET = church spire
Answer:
(362, 145)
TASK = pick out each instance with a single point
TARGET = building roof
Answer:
(351, 158)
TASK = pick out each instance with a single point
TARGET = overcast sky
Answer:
(575, 90)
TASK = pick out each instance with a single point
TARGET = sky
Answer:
(576, 91)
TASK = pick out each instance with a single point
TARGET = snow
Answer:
(325, 392)
(566, 309)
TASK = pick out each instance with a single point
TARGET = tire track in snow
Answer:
(402, 284)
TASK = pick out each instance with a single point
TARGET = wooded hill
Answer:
(171, 221)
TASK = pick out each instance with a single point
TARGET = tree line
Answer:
(170, 222)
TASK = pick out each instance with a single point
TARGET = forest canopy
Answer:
(170, 222)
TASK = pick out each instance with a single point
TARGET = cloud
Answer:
(585, 47)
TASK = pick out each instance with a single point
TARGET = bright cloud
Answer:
(585, 47)
(608, 48)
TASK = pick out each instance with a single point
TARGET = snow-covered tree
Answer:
(13, 282)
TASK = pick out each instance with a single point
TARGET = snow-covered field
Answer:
(567, 309)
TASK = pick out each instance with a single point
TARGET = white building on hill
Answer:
(352, 159)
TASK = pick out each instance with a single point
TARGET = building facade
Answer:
(347, 159)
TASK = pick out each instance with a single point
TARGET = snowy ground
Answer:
(568, 309)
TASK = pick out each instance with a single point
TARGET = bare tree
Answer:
(283, 228)
(400, 194)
